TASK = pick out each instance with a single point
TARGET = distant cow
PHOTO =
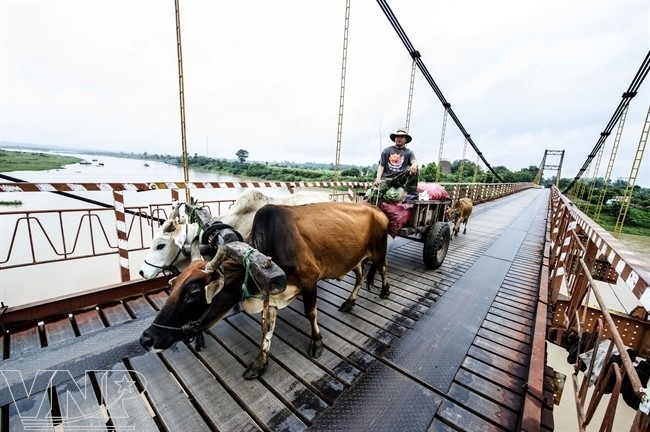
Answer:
(308, 242)
(170, 246)
(460, 212)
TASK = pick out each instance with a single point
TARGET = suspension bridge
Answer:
(461, 348)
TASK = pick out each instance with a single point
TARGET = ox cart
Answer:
(427, 225)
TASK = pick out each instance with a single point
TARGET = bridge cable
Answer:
(442, 142)
(610, 165)
(181, 95)
(410, 102)
(461, 168)
(417, 59)
(627, 195)
(339, 132)
(625, 101)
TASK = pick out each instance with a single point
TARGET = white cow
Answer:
(170, 246)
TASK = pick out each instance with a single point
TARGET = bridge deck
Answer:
(449, 350)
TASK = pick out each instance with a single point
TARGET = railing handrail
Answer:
(128, 219)
(568, 264)
(632, 269)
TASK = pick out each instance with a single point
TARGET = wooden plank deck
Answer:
(370, 376)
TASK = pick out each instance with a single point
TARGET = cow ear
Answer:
(213, 288)
(180, 236)
(169, 225)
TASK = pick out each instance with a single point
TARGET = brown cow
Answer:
(308, 242)
(460, 212)
(169, 251)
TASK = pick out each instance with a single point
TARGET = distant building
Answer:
(617, 198)
(445, 167)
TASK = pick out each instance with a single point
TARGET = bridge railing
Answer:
(34, 237)
(584, 258)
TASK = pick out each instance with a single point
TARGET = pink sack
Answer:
(398, 216)
(436, 191)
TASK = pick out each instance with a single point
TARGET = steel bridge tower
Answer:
(544, 166)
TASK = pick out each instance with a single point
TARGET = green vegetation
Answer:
(637, 218)
(23, 161)
(310, 171)
(587, 196)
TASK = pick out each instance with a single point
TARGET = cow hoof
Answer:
(385, 292)
(347, 306)
(315, 349)
(254, 370)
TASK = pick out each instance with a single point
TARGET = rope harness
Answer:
(245, 293)
(171, 268)
(192, 330)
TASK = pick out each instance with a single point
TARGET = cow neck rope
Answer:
(171, 267)
(244, 287)
(194, 329)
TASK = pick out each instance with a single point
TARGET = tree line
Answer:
(459, 171)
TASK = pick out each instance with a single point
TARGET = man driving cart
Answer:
(397, 168)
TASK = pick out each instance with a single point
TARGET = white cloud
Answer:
(522, 77)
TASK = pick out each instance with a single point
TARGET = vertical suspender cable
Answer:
(627, 195)
(594, 176)
(579, 190)
(344, 61)
(610, 163)
(442, 141)
(181, 93)
(462, 161)
(410, 102)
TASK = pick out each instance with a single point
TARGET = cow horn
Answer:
(219, 258)
(174, 213)
(195, 250)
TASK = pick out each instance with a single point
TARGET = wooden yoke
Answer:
(210, 226)
(270, 278)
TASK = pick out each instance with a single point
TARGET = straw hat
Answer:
(401, 132)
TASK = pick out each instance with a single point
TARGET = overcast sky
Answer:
(265, 76)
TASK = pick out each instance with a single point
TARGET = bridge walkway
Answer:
(464, 363)
(449, 350)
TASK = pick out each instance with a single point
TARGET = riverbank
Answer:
(23, 161)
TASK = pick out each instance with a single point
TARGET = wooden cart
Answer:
(428, 226)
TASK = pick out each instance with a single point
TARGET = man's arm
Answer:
(380, 172)
(414, 166)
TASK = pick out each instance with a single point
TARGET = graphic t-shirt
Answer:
(395, 160)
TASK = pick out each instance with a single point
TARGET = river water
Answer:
(45, 281)
(118, 170)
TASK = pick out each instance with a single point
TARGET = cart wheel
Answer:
(436, 244)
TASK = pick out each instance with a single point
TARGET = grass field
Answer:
(23, 161)
(637, 221)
